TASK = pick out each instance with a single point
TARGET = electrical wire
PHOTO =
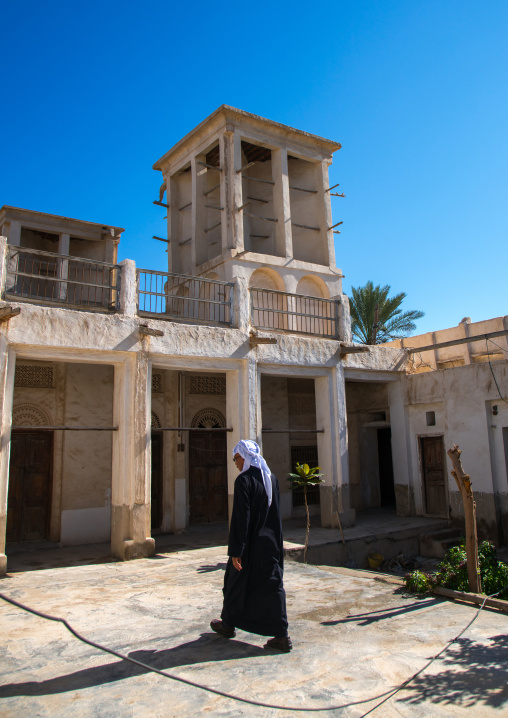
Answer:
(385, 696)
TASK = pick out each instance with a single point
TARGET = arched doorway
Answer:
(208, 483)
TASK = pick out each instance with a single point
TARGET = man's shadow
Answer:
(207, 648)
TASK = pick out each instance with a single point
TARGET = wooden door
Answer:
(156, 489)
(29, 497)
(208, 482)
(434, 476)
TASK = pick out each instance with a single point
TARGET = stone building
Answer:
(456, 392)
(124, 389)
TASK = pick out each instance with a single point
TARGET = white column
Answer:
(173, 224)
(325, 220)
(197, 209)
(241, 304)
(7, 366)
(130, 500)
(282, 204)
(3, 265)
(63, 267)
(128, 288)
(233, 190)
(243, 413)
(332, 449)
(401, 449)
(15, 234)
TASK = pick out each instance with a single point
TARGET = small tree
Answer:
(304, 477)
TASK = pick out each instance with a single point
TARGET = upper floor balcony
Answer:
(54, 279)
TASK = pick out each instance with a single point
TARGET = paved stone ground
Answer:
(355, 637)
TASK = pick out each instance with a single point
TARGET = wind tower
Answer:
(249, 197)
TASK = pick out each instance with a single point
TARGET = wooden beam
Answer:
(8, 312)
(254, 340)
(66, 428)
(455, 342)
(353, 348)
(149, 332)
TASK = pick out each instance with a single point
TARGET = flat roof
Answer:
(232, 113)
(33, 212)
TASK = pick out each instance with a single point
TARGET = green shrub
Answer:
(452, 572)
(419, 582)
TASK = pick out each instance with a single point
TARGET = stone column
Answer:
(7, 366)
(325, 218)
(128, 288)
(173, 224)
(401, 448)
(344, 319)
(198, 210)
(232, 228)
(3, 265)
(63, 267)
(243, 413)
(332, 449)
(241, 304)
(130, 500)
(15, 234)
(282, 204)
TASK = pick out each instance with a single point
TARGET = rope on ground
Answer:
(385, 696)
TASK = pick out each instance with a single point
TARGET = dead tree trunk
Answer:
(464, 484)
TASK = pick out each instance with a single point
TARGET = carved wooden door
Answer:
(29, 497)
(434, 476)
(208, 484)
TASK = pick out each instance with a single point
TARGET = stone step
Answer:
(437, 543)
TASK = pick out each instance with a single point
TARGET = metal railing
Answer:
(47, 277)
(180, 297)
(294, 313)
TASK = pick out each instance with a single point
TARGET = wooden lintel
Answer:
(262, 340)
(353, 349)
(8, 312)
(148, 331)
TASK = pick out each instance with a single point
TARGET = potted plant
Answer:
(304, 477)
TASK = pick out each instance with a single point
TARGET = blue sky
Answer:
(416, 92)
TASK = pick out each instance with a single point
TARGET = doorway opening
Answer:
(384, 452)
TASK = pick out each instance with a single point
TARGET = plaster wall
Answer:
(462, 399)
(86, 474)
(459, 354)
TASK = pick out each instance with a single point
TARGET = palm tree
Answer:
(304, 478)
(376, 318)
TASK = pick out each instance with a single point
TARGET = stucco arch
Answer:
(30, 415)
(265, 278)
(209, 418)
(311, 286)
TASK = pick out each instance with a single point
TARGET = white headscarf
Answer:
(249, 451)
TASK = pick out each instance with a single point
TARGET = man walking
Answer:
(254, 596)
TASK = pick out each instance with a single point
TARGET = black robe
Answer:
(254, 598)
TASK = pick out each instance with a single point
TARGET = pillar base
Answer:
(129, 549)
(3, 564)
(329, 499)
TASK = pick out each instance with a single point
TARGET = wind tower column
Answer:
(282, 204)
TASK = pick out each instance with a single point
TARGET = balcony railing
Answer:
(45, 277)
(294, 313)
(180, 297)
